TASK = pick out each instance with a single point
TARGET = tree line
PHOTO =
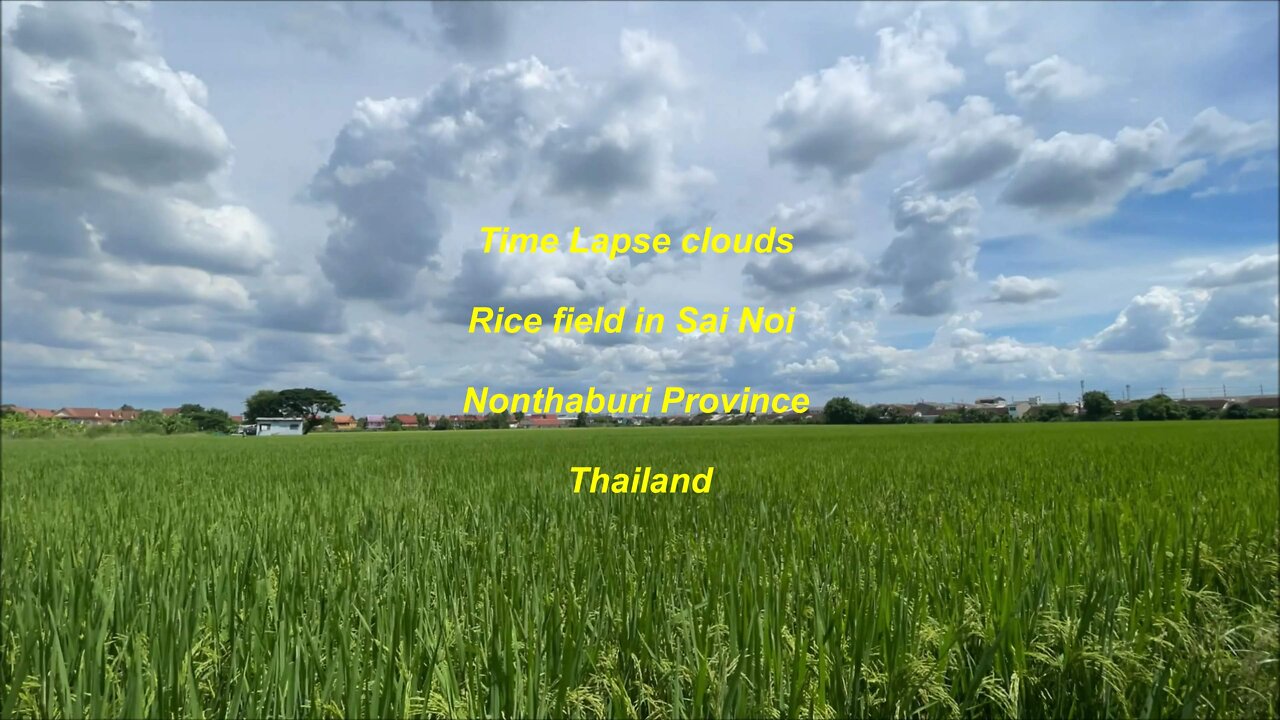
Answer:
(1096, 406)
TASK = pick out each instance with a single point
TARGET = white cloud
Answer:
(1254, 268)
(1146, 324)
(845, 117)
(980, 145)
(1051, 80)
(1021, 289)
(1086, 176)
(933, 251)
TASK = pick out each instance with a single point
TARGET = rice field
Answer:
(1064, 570)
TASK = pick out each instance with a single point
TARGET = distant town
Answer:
(195, 418)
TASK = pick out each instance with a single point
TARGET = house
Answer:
(991, 402)
(169, 412)
(237, 419)
(344, 422)
(280, 426)
(1018, 410)
(29, 412)
(432, 420)
(540, 421)
(93, 416)
(375, 422)
(408, 422)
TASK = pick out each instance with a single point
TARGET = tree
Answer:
(1128, 414)
(264, 403)
(1197, 412)
(444, 423)
(843, 411)
(127, 408)
(1098, 406)
(309, 403)
(1235, 411)
(581, 421)
(393, 423)
(1160, 407)
(205, 420)
(519, 415)
(498, 421)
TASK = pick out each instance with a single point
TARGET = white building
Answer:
(280, 426)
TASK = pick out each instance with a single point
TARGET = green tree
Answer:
(1128, 414)
(393, 423)
(1098, 406)
(444, 423)
(843, 411)
(581, 421)
(309, 403)
(1235, 411)
(264, 403)
(498, 421)
(1197, 412)
(206, 420)
(519, 415)
(1160, 407)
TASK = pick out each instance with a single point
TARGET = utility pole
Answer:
(1184, 393)
(1082, 393)
(1126, 392)
(1224, 391)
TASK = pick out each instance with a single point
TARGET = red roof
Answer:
(344, 420)
(94, 414)
(543, 420)
(407, 420)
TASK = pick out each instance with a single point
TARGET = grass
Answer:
(983, 571)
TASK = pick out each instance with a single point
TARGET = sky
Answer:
(201, 200)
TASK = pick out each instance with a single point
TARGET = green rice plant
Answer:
(962, 572)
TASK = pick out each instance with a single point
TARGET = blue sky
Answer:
(204, 199)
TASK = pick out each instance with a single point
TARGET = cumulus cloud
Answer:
(383, 173)
(1146, 324)
(980, 145)
(803, 270)
(1050, 80)
(815, 221)
(397, 159)
(112, 166)
(933, 250)
(622, 142)
(1085, 176)
(1021, 289)
(845, 117)
(513, 282)
(108, 148)
(1237, 313)
(1254, 268)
